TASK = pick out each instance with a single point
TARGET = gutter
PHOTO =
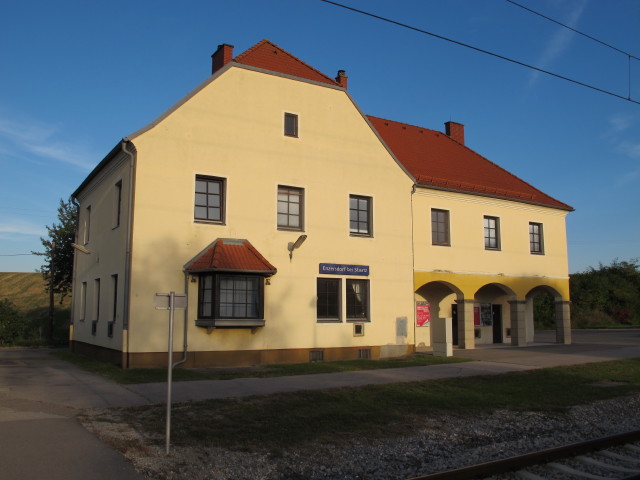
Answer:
(186, 315)
(73, 274)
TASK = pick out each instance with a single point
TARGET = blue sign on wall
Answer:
(339, 269)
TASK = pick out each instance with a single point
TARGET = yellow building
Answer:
(296, 228)
(485, 242)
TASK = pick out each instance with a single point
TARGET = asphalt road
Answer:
(40, 437)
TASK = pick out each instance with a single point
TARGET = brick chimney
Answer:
(222, 56)
(342, 78)
(455, 131)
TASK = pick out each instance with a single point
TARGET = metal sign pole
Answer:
(170, 301)
(170, 369)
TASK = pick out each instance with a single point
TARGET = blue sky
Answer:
(77, 76)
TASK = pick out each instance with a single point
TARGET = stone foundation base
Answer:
(239, 358)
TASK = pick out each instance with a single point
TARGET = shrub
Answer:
(12, 324)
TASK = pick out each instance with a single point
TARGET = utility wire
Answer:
(18, 254)
(629, 56)
(482, 51)
(573, 30)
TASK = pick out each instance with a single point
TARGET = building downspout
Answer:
(413, 270)
(186, 315)
(128, 258)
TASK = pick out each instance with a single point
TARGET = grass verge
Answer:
(279, 421)
(149, 375)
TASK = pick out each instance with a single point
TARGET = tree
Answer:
(58, 252)
(610, 294)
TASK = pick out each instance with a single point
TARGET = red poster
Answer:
(423, 315)
(476, 316)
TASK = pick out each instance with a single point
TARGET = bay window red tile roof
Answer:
(231, 255)
(436, 160)
(269, 56)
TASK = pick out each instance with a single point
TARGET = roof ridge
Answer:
(238, 59)
(407, 124)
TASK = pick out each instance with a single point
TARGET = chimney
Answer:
(455, 131)
(222, 56)
(342, 78)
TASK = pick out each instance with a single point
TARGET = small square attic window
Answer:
(291, 125)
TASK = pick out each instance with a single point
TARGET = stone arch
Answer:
(441, 297)
(562, 313)
(492, 313)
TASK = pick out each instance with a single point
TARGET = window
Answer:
(536, 240)
(291, 125)
(290, 208)
(328, 305)
(440, 227)
(96, 306)
(83, 301)
(491, 233)
(364, 353)
(87, 224)
(209, 202)
(117, 203)
(96, 299)
(357, 299)
(230, 297)
(114, 313)
(360, 215)
(316, 355)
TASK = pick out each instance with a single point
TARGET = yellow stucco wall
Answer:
(468, 265)
(106, 244)
(233, 128)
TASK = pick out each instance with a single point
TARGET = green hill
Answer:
(25, 290)
(28, 293)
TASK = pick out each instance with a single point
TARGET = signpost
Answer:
(170, 301)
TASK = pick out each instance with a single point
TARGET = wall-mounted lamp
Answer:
(293, 245)
(81, 249)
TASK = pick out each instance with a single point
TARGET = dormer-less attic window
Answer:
(291, 124)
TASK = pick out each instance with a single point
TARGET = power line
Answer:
(574, 30)
(628, 55)
(502, 57)
(18, 254)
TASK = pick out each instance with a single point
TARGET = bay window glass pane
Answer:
(230, 296)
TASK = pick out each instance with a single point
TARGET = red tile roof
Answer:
(269, 56)
(230, 255)
(436, 160)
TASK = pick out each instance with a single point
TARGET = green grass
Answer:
(279, 421)
(148, 375)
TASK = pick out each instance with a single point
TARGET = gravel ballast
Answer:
(438, 442)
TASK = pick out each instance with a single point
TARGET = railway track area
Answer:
(615, 457)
